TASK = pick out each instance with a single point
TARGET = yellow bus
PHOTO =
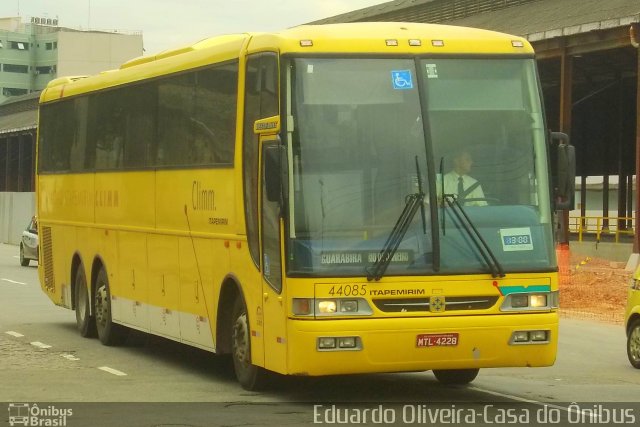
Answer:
(283, 198)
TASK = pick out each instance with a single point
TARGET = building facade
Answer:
(34, 53)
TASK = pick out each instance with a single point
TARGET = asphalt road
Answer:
(152, 381)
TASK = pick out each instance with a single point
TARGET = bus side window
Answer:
(140, 124)
(60, 133)
(214, 120)
(106, 130)
(175, 109)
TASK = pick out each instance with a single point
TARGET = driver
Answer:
(458, 182)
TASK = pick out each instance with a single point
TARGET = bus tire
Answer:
(250, 376)
(633, 344)
(109, 333)
(456, 376)
(84, 319)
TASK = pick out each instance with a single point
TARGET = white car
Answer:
(29, 243)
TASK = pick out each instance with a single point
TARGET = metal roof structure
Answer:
(426, 10)
(546, 19)
(533, 19)
(19, 122)
(19, 114)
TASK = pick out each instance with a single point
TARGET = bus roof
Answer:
(384, 38)
(365, 37)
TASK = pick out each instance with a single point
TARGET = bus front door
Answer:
(274, 306)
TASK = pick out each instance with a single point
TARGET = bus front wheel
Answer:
(250, 376)
(633, 344)
(456, 376)
(85, 321)
(109, 333)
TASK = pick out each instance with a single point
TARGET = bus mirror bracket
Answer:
(564, 164)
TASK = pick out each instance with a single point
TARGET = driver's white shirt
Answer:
(451, 187)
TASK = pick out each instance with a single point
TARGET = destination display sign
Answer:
(362, 257)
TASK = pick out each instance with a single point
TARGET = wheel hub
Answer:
(102, 308)
(241, 338)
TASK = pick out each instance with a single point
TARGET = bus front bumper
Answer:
(420, 343)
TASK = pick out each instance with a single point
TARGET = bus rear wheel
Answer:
(456, 376)
(84, 319)
(109, 333)
(250, 376)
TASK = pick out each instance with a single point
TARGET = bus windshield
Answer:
(370, 134)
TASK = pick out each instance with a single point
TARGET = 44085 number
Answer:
(348, 290)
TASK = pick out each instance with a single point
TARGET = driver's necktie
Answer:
(460, 190)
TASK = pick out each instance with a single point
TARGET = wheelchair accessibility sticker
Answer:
(402, 79)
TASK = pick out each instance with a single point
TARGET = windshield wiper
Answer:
(422, 212)
(484, 249)
(412, 203)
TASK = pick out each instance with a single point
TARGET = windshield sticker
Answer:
(356, 258)
(432, 71)
(341, 258)
(516, 239)
(402, 79)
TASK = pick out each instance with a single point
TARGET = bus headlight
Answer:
(321, 307)
(339, 344)
(302, 306)
(520, 336)
(347, 342)
(530, 301)
(325, 343)
(327, 306)
(519, 300)
(538, 300)
(349, 306)
(538, 336)
(530, 337)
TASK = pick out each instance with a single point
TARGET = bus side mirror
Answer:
(274, 178)
(565, 172)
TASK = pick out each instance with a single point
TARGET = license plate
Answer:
(437, 340)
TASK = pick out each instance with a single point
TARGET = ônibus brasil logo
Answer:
(27, 414)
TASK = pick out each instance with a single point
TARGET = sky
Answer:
(167, 24)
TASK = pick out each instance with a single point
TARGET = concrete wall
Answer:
(619, 252)
(594, 203)
(16, 210)
(87, 53)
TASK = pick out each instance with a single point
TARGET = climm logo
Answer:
(202, 198)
